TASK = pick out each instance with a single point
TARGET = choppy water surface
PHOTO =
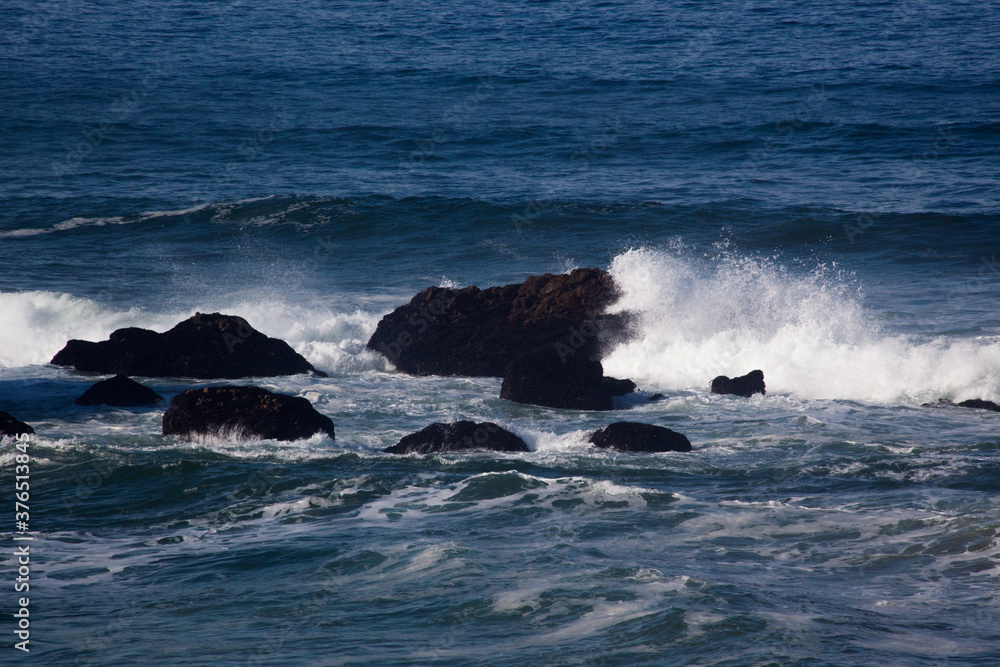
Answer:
(810, 191)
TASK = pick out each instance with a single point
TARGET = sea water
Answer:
(810, 190)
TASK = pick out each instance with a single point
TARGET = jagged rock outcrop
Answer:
(249, 412)
(746, 385)
(461, 435)
(636, 437)
(11, 425)
(477, 332)
(205, 346)
(546, 377)
(119, 391)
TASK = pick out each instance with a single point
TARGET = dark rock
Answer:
(10, 425)
(635, 437)
(616, 387)
(459, 436)
(477, 332)
(246, 411)
(747, 385)
(205, 346)
(119, 391)
(974, 403)
(980, 404)
(546, 377)
(656, 397)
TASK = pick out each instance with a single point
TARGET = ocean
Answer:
(810, 189)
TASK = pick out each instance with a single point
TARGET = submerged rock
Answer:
(980, 404)
(205, 346)
(477, 332)
(459, 436)
(747, 385)
(249, 412)
(11, 425)
(119, 391)
(545, 377)
(636, 437)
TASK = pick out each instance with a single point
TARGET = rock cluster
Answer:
(468, 435)
(543, 336)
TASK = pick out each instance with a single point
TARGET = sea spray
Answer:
(703, 315)
(38, 324)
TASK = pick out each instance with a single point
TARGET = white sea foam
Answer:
(65, 225)
(145, 216)
(604, 615)
(332, 340)
(525, 596)
(545, 442)
(38, 324)
(432, 557)
(420, 502)
(700, 317)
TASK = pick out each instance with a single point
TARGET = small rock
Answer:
(119, 391)
(636, 437)
(247, 411)
(10, 425)
(616, 387)
(461, 435)
(746, 386)
(974, 403)
(980, 404)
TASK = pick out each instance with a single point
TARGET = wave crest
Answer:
(727, 314)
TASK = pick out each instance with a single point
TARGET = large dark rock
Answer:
(205, 346)
(546, 377)
(458, 436)
(635, 437)
(747, 385)
(477, 332)
(10, 425)
(249, 412)
(980, 404)
(119, 391)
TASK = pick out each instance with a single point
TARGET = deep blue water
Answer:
(809, 189)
